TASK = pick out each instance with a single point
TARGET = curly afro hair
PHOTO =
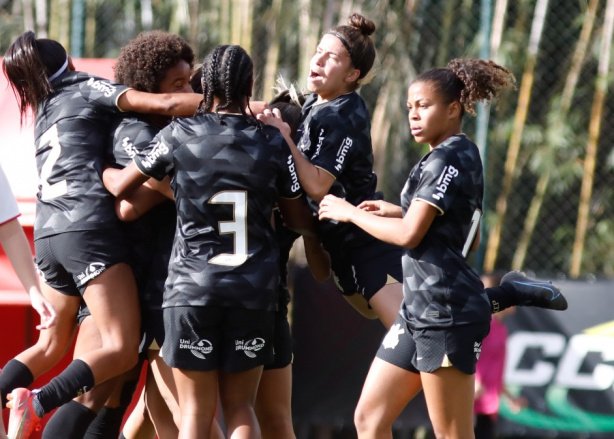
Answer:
(144, 62)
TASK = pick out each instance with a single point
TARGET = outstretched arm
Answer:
(169, 104)
(18, 250)
(405, 232)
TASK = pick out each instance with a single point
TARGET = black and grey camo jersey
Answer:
(336, 137)
(71, 135)
(226, 177)
(151, 236)
(440, 289)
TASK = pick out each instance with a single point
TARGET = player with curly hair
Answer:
(435, 341)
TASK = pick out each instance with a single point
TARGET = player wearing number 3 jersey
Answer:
(227, 172)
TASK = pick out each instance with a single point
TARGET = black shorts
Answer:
(367, 269)
(203, 338)
(68, 261)
(282, 340)
(426, 350)
(152, 325)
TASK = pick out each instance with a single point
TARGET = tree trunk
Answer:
(272, 56)
(41, 19)
(571, 82)
(497, 27)
(309, 30)
(601, 90)
(513, 151)
(449, 14)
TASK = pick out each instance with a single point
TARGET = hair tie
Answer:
(345, 43)
(60, 70)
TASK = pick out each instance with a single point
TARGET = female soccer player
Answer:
(334, 155)
(79, 246)
(156, 62)
(228, 170)
(435, 341)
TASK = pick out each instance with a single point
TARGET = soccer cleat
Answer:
(535, 293)
(22, 420)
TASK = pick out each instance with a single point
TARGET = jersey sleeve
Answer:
(156, 159)
(103, 93)
(334, 142)
(287, 183)
(129, 139)
(440, 180)
(8, 206)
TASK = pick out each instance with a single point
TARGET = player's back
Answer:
(227, 174)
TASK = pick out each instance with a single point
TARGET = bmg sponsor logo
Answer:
(102, 86)
(446, 177)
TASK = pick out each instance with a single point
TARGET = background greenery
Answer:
(547, 147)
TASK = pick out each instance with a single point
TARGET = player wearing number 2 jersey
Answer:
(79, 248)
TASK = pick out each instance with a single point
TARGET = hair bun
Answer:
(366, 26)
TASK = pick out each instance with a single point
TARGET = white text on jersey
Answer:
(449, 172)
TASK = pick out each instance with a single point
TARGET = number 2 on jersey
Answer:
(50, 191)
(238, 227)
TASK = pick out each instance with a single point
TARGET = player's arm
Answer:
(17, 248)
(315, 181)
(406, 232)
(297, 215)
(143, 199)
(170, 104)
(122, 182)
(318, 259)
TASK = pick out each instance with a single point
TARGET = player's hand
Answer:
(44, 309)
(381, 208)
(273, 117)
(258, 107)
(335, 208)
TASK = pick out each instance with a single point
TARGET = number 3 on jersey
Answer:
(238, 227)
(50, 191)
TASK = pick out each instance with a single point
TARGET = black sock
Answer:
(69, 422)
(501, 297)
(15, 374)
(75, 380)
(107, 424)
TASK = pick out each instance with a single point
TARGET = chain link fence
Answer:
(549, 198)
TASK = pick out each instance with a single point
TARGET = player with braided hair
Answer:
(435, 341)
(228, 171)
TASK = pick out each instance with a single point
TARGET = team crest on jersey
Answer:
(392, 337)
(198, 348)
(250, 347)
(477, 349)
(93, 270)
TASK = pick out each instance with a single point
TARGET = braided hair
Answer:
(469, 81)
(228, 74)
